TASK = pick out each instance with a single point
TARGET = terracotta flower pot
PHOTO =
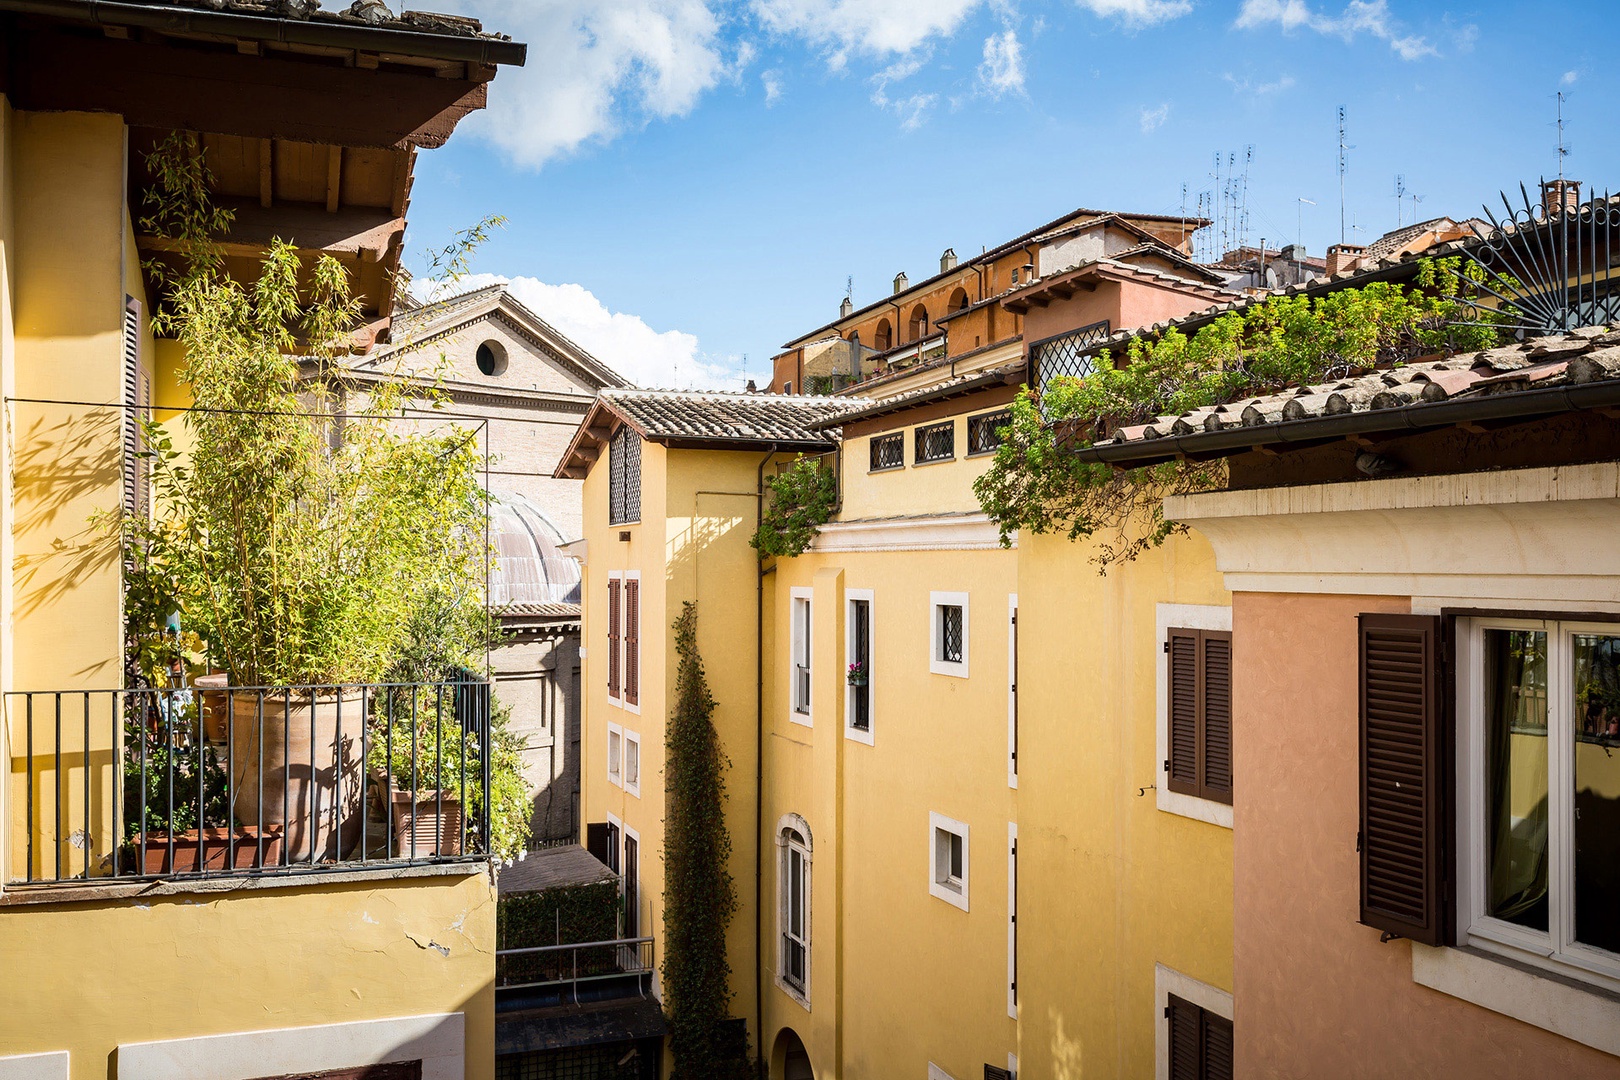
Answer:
(215, 707)
(432, 818)
(300, 769)
(212, 851)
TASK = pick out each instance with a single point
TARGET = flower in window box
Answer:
(857, 673)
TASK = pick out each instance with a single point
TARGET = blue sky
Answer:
(688, 181)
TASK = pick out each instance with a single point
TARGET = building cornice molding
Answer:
(1551, 534)
(935, 532)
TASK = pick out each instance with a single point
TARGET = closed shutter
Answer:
(1404, 846)
(1182, 765)
(1186, 1035)
(132, 413)
(1215, 738)
(1217, 1043)
(613, 638)
(991, 1072)
(632, 641)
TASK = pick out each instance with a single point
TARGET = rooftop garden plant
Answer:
(1035, 484)
(802, 500)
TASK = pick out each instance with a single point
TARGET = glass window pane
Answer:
(1596, 661)
(795, 893)
(956, 857)
(1516, 775)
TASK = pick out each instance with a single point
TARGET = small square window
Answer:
(632, 763)
(887, 452)
(936, 442)
(984, 432)
(948, 634)
(948, 860)
(799, 646)
(615, 753)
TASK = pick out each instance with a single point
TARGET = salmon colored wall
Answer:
(1310, 979)
(1081, 309)
(1143, 304)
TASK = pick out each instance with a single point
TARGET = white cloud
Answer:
(1465, 38)
(1359, 17)
(1244, 86)
(595, 67)
(623, 342)
(1137, 12)
(1152, 119)
(911, 109)
(1569, 78)
(772, 82)
(1002, 70)
(878, 27)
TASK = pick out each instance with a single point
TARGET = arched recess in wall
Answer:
(789, 1059)
(959, 299)
(919, 323)
(883, 340)
(793, 906)
(855, 337)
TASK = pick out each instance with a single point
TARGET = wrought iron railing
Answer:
(570, 966)
(135, 785)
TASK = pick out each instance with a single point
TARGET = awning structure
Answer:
(567, 1026)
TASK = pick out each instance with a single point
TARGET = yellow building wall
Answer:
(8, 386)
(934, 487)
(87, 977)
(1109, 884)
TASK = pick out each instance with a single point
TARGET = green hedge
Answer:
(564, 915)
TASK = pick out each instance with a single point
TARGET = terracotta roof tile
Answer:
(675, 415)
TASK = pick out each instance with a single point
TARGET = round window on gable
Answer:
(492, 358)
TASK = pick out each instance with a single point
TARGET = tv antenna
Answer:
(1563, 151)
(1400, 196)
(1344, 161)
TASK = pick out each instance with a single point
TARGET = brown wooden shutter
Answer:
(132, 413)
(632, 641)
(1217, 1046)
(1182, 747)
(613, 638)
(1404, 787)
(1186, 1035)
(1215, 717)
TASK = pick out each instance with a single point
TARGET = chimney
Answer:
(947, 261)
(845, 308)
(1560, 196)
(1344, 257)
(901, 282)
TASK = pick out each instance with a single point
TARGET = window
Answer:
(948, 860)
(1198, 759)
(1067, 354)
(887, 452)
(936, 442)
(948, 633)
(883, 338)
(491, 357)
(787, 388)
(858, 652)
(624, 639)
(1012, 920)
(1539, 813)
(1199, 1045)
(959, 300)
(624, 477)
(137, 399)
(984, 431)
(615, 754)
(793, 907)
(799, 658)
(631, 882)
(1012, 690)
(919, 322)
(632, 763)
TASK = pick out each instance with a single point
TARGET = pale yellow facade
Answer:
(1115, 897)
(95, 970)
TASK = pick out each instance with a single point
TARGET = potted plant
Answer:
(299, 546)
(857, 673)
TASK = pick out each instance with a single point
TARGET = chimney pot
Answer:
(1344, 257)
(901, 282)
(1560, 196)
(845, 307)
(947, 261)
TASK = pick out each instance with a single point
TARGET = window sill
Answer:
(1555, 1003)
(860, 735)
(947, 667)
(983, 453)
(933, 461)
(887, 468)
(800, 718)
(798, 996)
(954, 897)
(1191, 806)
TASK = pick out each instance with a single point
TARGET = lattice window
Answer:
(950, 633)
(888, 452)
(984, 432)
(624, 477)
(936, 442)
(1063, 355)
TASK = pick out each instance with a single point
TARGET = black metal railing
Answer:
(209, 781)
(574, 966)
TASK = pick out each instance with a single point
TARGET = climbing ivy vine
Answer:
(802, 499)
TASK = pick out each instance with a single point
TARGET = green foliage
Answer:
(699, 894)
(1035, 484)
(160, 733)
(564, 915)
(296, 562)
(803, 497)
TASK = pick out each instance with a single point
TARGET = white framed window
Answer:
(615, 755)
(800, 614)
(948, 859)
(1189, 1015)
(859, 674)
(1538, 767)
(632, 763)
(1012, 690)
(1012, 919)
(948, 635)
(1169, 617)
(793, 908)
(615, 843)
(630, 883)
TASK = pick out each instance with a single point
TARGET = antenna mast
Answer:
(1400, 196)
(1342, 164)
(1563, 151)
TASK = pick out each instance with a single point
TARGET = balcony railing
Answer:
(140, 785)
(593, 970)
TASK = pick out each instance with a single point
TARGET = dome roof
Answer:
(529, 569)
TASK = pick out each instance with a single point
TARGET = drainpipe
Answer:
(759, 766)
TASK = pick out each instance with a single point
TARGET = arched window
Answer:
(855, 338)
(793, 906)
(883, 340)
(959, 300)
(919, 323)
